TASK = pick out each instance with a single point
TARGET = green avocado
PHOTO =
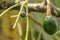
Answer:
(50, 25)
(23, 15)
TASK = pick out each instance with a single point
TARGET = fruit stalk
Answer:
(48, 12)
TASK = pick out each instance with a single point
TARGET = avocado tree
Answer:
(49, 24)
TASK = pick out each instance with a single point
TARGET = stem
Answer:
(19, 30)
(8, 10)
(35, 21)
(56, 37)
(31, 32)
(48, 12)
(57, 32)
(18, 15)
(27, 28)
(13, 16)
(40, 33)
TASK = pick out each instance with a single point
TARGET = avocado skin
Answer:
(50, 25)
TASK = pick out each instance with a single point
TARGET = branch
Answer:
(8, 9)
(30, 17)
(18, 15)
(27, 20)
(38, 7)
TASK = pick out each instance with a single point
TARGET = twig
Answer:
(31, 32)
(57, 32)
(40, 33)
(27, 27)
(13, 16)
(8, 10)
(55, 36)
(18, 15)
(34, 20)
(39, 7)
(19, 30)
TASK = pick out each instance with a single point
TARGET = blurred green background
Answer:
(7, 23)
